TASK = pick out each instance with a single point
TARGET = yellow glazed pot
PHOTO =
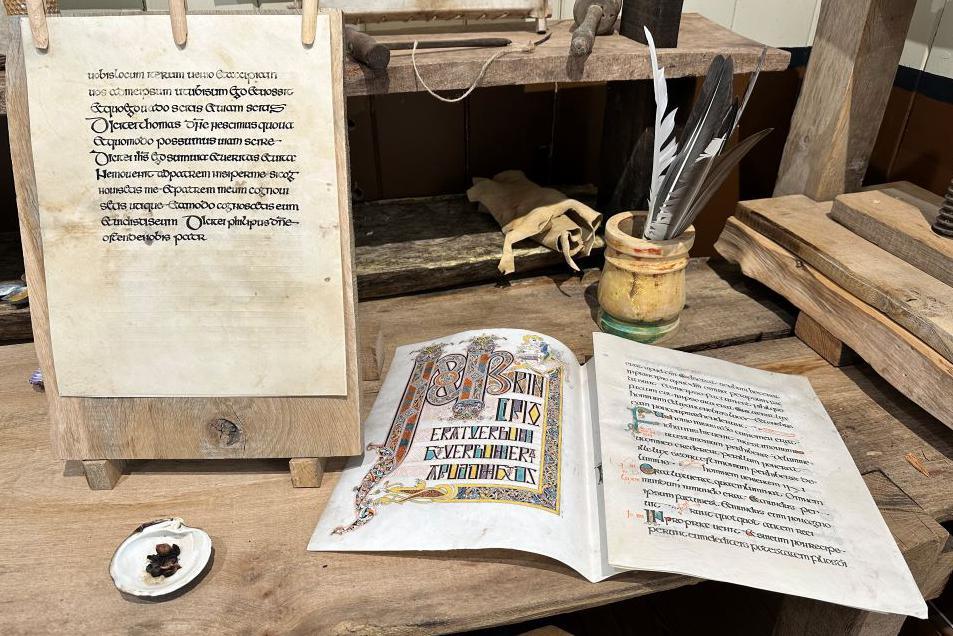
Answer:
(642, 290)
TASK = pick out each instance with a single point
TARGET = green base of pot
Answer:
(644, 332)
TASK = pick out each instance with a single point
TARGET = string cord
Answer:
(528, 48)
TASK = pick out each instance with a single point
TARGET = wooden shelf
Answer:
(613, 58)
(410, 245)
(402, 246)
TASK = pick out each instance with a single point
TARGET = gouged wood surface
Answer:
(820, 339)
(210, 428)
(613, 58)
(263, 581)
(900, 357)
(722, 308)
(899, 222)
(924, 545)
(848, 80)
(917, 301)
(418, 244)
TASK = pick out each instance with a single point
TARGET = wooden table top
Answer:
(58, 536)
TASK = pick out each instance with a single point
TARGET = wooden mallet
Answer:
(593, 17)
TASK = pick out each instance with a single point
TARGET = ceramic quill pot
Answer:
(642, 289)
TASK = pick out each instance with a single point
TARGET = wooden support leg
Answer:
(103, 474)
(307, 472)
(823, 342)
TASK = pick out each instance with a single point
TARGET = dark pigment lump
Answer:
(165, 562)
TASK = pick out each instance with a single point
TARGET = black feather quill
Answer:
(700, 145)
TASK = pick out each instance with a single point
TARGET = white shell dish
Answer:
(128, 565)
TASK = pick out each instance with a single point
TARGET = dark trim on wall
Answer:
(914, 80)
(799, 55)
(936, 87)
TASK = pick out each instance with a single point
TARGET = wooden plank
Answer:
(924, 544)
(820, 339)
(108, 428)
(849, 77)
(900, 224)
(904, 360)
(721, 309)
(409, 245)
(263, 580)
(915, 300)
(613, 58)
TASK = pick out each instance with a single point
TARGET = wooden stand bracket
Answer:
(104, 474)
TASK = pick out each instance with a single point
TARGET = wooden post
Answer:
(307, 472)
(849, 77)
(626, 163)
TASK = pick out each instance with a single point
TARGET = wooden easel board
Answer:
(309, 420)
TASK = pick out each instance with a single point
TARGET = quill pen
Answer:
(683, 177)
(664, 145)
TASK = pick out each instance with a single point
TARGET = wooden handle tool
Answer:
(365, 49)
(593, 17)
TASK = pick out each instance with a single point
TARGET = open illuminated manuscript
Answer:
(643, 459)
(190, 207)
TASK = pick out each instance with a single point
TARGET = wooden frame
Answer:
(186, 427)
(384, 10)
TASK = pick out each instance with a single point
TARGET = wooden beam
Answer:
(820, 339)
(901, 358)
(849, 78)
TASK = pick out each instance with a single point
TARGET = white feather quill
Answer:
(663, 153)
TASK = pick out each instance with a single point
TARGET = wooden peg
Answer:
(180, 26)
(307, 472)
(103, 474)
(36, 13)
(309, 21)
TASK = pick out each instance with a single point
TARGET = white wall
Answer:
(792, 23)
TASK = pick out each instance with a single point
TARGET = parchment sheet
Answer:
(189, 206)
